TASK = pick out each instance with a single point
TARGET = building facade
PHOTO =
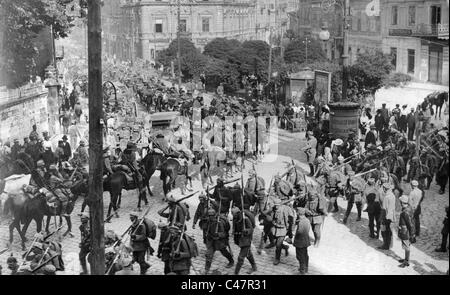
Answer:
(141, 28)
(415, 32)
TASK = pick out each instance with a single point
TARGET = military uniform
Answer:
(243, 226)
(310, 150)
(256, 186)
(354, 196)
(174, 252)
(282, 222)
(315, 212)
(140, 244)
(85, 244)
(372, 196)
(201, 214)
(223, 197)
(217, 229)
(282, 189)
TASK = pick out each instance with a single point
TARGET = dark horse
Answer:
(170, 169)
(25, 209)
(114, 185)
(438, 100)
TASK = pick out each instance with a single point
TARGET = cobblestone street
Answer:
(344, 249)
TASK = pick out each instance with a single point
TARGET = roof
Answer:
(164, 116)
(302, 75)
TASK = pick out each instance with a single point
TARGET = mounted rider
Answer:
(129, 159)
(56, 183)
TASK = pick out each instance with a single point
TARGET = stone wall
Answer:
(21, 108)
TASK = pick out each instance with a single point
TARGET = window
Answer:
(394, 57)
(205, 25)
(411, 60)
(394, 15)
(411, 16)
(358, 24)
(158, 26)
(152, 53)
(435, 17)
(183, 25)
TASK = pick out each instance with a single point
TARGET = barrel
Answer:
(344, 118)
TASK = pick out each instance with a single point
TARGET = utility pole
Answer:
(179, 44)
(95, 138)
(306, 42)
(345, 62)
(270, 55)
(132, 36)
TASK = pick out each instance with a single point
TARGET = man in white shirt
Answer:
(388, 215)
(415, 199)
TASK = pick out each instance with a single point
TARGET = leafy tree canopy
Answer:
(296, 51)
(22, 22)
(221, 48)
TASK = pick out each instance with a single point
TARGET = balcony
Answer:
(425, 30)
(443, 31)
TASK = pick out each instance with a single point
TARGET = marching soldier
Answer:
(243, 226)
(281, 188)
(354, 196)
(282, 222)
(178, 212)
(315, 212)
(256, 186)
(222, 195)
(301, 240)
(139, 242)
(85, 244)
(310, 150)
(217, 229)
(174, 250)
(202, 214)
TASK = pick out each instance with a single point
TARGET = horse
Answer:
(25, 209)
(438, 99)
(114, 185)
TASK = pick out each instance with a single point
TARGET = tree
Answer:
(369, 73)
(260, 48)
(191, 59)
(221, 48)
(296, 51)
(219, 71)
(22, 22)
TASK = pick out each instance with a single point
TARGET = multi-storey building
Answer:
(415, 32)
(140, 28)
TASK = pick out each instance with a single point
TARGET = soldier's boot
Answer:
(277, 256)
(238, 266)
(84, 269)
(261, 244)
(311, 169)
(286, 250)
(345, 220)
(359, 207)
(405, 262)
(64, 208)
(207, 266)
(251, 259)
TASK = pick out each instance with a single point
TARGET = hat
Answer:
(49, 269)
(11, 259)
(414, 183)
(235, 210)
(202, 196)
(387, 185)
(310, 133)
(220, 179)
(341, 158)
(371, 180)
(52, 167)
(64, 137)
(126, 261)
(301, 211)
(320, 158)
(338, 141)
(109, 250)
(211, 212)
(40, 163)
(351, 173)
(404, 199)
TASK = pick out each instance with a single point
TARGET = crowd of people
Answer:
(369, 176)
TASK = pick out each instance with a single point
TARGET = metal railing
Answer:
(426, 30)
(443, 31)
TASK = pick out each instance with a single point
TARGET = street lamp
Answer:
(306, 42)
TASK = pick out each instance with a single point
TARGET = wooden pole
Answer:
(270, 56)
(179, 45)
(95, 138)
(345, 56)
